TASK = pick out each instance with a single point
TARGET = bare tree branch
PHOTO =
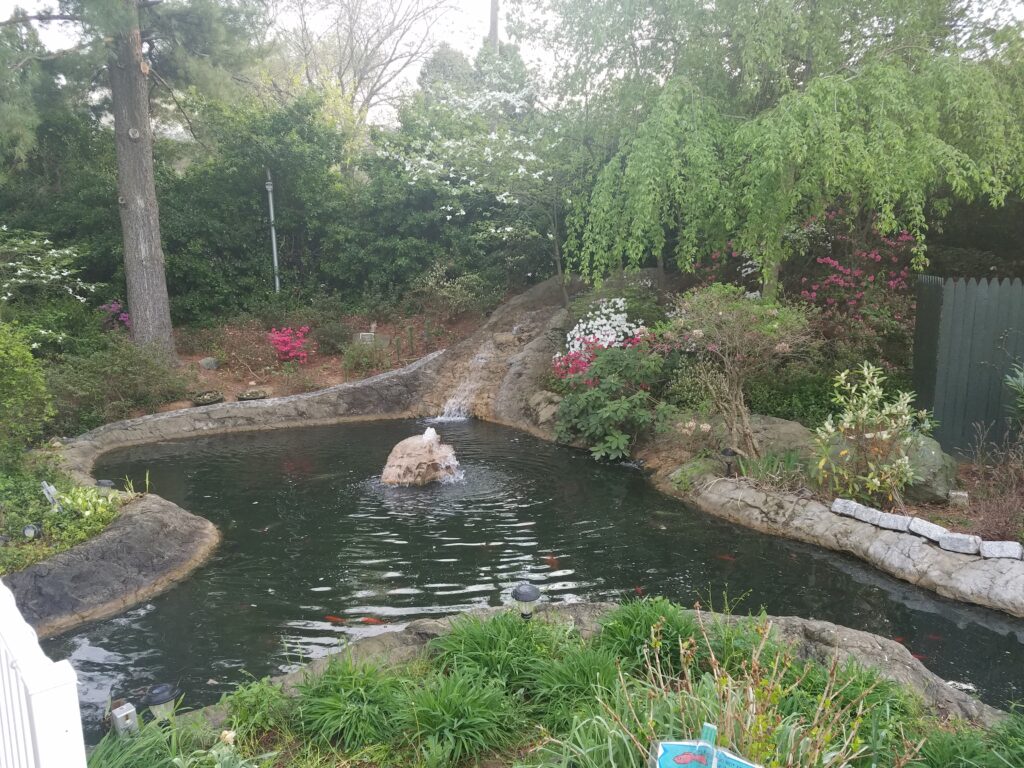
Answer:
(366, 46)
(42, 17)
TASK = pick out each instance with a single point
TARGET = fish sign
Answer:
(700, 753)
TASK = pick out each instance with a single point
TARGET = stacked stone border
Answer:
(963, 543)
(910, 555)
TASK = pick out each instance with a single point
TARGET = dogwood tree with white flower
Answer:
(493, 142)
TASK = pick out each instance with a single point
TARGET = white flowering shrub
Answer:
(30, 266)
(606, 325)
(863, 452)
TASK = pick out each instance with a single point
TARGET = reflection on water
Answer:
(316, 551)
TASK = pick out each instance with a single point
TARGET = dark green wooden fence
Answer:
(968, 335)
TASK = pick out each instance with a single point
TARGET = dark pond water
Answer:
(317, 551)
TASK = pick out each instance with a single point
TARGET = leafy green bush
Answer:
(24, 402)
(332, 337)
(110, 383)
(862, 452)
(447, 297)
(453, 717)
(686, 391)
(799, 395)
(738, 338)
(610, 404)
(352, 705)
(361, 358)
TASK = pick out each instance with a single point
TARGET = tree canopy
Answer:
(750, 119)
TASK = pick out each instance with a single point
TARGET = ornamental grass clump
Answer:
(863, 451)
(351, 705)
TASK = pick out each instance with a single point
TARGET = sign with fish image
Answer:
(701, 752)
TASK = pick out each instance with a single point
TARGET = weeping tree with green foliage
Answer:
(752, 118)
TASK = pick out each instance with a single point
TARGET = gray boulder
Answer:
(781, 436)
(209, 363)
(936, 472)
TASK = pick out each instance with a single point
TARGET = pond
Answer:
(316, 551)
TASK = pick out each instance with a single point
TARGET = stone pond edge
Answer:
(996, 583)
(811, 639)
(110, 573)
(992, 583)
(116, 569)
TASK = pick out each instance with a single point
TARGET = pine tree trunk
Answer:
(136, 188)
(492, 37)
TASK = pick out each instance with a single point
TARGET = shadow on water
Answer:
(317, 551)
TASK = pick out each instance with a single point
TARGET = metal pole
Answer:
(273, 231)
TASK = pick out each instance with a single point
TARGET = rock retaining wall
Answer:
(389, 395)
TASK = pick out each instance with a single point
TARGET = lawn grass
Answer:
(535, 693)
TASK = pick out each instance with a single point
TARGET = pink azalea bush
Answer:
(290, 344)
(606, 326)
(115, 316)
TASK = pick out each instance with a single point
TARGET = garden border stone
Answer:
(960, 542)
(998, 549)
(927, 529)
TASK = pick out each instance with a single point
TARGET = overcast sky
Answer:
(464, 27)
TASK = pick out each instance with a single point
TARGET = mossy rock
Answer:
(693, 472)
(207, 398)
(253, 394)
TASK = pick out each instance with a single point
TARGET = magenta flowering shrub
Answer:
(115, 316)
(290, 344)
(860, 281)
(585, 350)
(850, 285)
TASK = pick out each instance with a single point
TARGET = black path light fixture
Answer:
(729, 456)
(526, 596)
(161, 699)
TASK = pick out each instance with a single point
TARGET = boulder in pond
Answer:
(421, 460)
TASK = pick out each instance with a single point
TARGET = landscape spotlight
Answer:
(160, 699)
(729, 457)
(124, 720)
(32, 531)
(526, 595)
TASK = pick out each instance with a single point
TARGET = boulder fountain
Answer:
(421, 460)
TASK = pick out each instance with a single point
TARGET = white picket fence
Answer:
(40, 723)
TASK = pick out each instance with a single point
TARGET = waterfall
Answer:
(459, 406)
